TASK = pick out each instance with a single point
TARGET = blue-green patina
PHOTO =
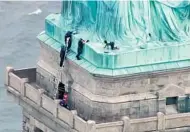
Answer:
(128, 24)
(129, 21)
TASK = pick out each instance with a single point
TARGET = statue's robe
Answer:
(130, 21)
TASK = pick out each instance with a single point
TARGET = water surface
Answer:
(19, 48)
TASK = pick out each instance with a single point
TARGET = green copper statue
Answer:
(129, 21)
(142, 32)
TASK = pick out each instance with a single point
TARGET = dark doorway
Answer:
(171, 100)
(37, 130)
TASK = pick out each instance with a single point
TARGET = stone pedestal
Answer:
(102, 97)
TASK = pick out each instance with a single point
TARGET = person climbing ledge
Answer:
(62, 55)
(81, 43)
(111, 44)
(64, 50)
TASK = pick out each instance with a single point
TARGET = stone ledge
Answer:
(149, 119)
(47, 68)
(136, 124)
(12, 90)
(118, 99)
(110, 86)
(110, 124)
(116, 72)
(40, 109)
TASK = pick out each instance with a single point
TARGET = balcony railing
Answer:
(20, 86)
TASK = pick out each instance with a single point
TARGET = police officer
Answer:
(62, 55)
(68, 39)
(61, 90)
(81, 43)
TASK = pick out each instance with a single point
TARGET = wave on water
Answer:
(36, 12)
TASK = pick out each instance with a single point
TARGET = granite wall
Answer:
(46, 80)
(44, 112)
(103, 112)
(111, 86)
(88, 91)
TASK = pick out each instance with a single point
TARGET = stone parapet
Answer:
(8, 70)
(42, 101)
(161, 122)
(102, 108)
(126, 124)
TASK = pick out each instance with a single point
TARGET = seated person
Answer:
(64, 101)
(81, 43)
(111, 44)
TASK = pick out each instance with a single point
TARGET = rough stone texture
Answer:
(145, 124)
(184, 129)
(47, 121)
(26, 124)
(47, 77)
(163, 84)
(110, 112)
(27, 73)
(162, 105)
(46, 80)
(150, 82)
(32, 93)
(30, 124)
(49, 73)
(171, 90)
(8, 70)
(39, 117)
(153, 107)
(161, 121)
(110, 127)
(171, 109)
(126, 124)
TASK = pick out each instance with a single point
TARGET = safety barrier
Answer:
(160, 122)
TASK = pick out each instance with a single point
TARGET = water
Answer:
(19, 48)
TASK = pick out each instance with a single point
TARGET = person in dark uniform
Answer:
(81, 43)
(61, 90)
(111, 44)
(68, 39)
(62, 55)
